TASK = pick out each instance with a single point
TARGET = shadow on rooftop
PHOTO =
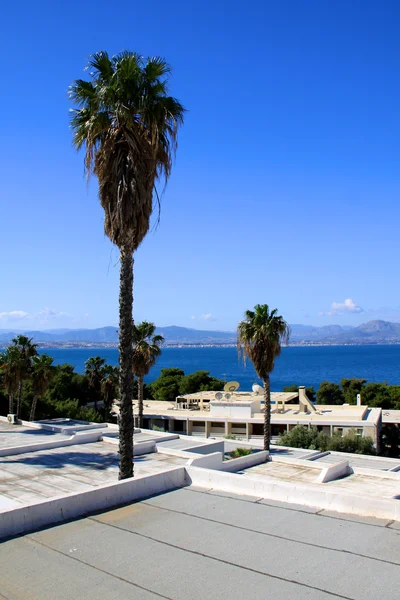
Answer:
(92, 460)
(85, 460)
(28, 432)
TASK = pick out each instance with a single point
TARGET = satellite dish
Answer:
(227, 396)
(218, 396)
(257, 389)
(231, 386)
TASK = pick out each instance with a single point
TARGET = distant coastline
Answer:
(372, 333)
(305, 344)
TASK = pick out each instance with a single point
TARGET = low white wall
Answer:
(55, 428)
(71, 506)
(316, 496)
(215, 461)
(176, 452)
(207, 461)
(207, 448)
(393, 475)
(332, 472)
(243, 462)
(77, 438)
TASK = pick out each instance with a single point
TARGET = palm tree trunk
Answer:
(19, 399)
(140, 402)
(267, 413)
(125, 361)
(11, 403)
(33, 408)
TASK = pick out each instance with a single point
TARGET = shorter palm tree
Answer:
(42, 372)
(10, 370)
(27, 350)
(146, 350)
(93, 371)
(259, 337)
(109, 386)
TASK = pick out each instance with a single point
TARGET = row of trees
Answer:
(310, 437)
(20, 363)
(32, 386)
(372, 394)
(31, 378)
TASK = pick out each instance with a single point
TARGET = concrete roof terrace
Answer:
(71, 476)
(33, 476)
(196, 543)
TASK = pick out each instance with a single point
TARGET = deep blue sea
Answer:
(301, 366)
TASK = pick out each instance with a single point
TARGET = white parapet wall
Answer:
(83, 437)
(71, 506)
(215, 461)
(73, 426)
(335, 471)
(139, 448)
(313, 495)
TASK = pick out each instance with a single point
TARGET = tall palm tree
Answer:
(94, 372)
(259, 337)
(109, 386)
(128, 124)
(10, 368)
(146, 350)
(42, 372)
(27, 350)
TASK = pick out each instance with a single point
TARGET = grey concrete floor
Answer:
(192, 544)
(31, 477)
(18, 435)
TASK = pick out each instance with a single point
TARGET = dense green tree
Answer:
(295, 388)
(378, 394)
(310, 438)
(166, 387)
(128, 124)
(27, 350)
(109, 387)
(42, 372)
(10, 369)
(68, 384)
(146, 350)
(300, 437)
(330, 393)
(94, 372)
(200, 381)
(352, 387)
(259, 337)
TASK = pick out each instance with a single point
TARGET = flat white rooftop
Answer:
(31, 477)
(347, 415)
(192, 544)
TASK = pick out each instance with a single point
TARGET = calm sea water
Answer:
(300, 366)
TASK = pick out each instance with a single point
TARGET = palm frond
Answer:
(260, 337)
(128, 125)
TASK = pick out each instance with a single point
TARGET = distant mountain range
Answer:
(373, 332)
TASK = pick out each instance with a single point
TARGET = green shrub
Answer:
(241, 452)
(156, 428)
(312, 439)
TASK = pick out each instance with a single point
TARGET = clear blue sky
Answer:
(287, 179)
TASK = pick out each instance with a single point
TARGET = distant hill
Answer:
(373, 332)
(109, 335)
